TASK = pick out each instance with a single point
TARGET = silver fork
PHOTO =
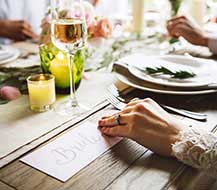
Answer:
(115, 101)
(114, 98)
(114, 90)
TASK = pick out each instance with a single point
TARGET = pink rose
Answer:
(91, 30)
(89, 13)
(45, 25)
(9, 93)
(88, 10)
(103, 28)
(89, 19)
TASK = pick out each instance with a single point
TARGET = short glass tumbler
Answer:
(42, 95)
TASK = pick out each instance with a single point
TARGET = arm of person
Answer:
(17, 30)
(148, 124)
(2, 32)
(197, 148)
(181, 26)
(95, 2)
(212, 44)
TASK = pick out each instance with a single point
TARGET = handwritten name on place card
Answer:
(71, 152)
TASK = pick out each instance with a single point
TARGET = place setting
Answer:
(169, 74)
(105, 94)
(8, 54)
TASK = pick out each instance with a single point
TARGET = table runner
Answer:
(16, 120)
(19, 126)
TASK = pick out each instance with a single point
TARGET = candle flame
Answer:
(42, 77)
(60, 56)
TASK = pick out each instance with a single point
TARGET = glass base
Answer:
(70, 109)
(41, 108)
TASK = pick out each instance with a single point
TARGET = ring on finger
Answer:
(117, 119)
(135, 99)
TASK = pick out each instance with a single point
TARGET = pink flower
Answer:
(89, 13)
(97, 28)
(91, 30)
(88, 10)
(89, 19)
(103, 28)
(9, 93)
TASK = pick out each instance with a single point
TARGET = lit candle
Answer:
(42, 94)
(138, 15)
(198, 10)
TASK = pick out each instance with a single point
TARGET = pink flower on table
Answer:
(103, 28)
(91, 30)
(9, 93)
(89, 19)
(97, 27)
(88, 10)
(89, 13)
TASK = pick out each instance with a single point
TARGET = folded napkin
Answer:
(121, 69)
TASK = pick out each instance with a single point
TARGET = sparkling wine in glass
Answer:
(69, 34)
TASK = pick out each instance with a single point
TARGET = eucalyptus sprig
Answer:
(163, 70)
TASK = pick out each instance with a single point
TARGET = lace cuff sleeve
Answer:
(197, 148)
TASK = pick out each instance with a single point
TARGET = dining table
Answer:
(127, 165)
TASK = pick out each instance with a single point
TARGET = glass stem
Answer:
(73, 99)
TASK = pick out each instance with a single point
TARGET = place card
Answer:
(68, 154)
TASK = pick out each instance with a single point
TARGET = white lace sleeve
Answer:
(197, 148)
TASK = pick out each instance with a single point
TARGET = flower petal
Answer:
(9, 93)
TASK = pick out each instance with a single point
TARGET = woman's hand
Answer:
(181, 26)
(145, 122)
(45, 36)
(17, 30)
(95, 2)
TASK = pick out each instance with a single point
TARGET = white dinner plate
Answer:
(5, 56)
(205, 70)
(161, 90)
(122, 73)
(8, 54)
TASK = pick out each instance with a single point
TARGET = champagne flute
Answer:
(69, 34)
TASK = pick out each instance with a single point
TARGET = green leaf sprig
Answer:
(178, 74)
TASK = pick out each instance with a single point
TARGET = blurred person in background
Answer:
(21, 20)
(182, 26)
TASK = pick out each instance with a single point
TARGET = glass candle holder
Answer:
(42, 95)
(55, 62)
